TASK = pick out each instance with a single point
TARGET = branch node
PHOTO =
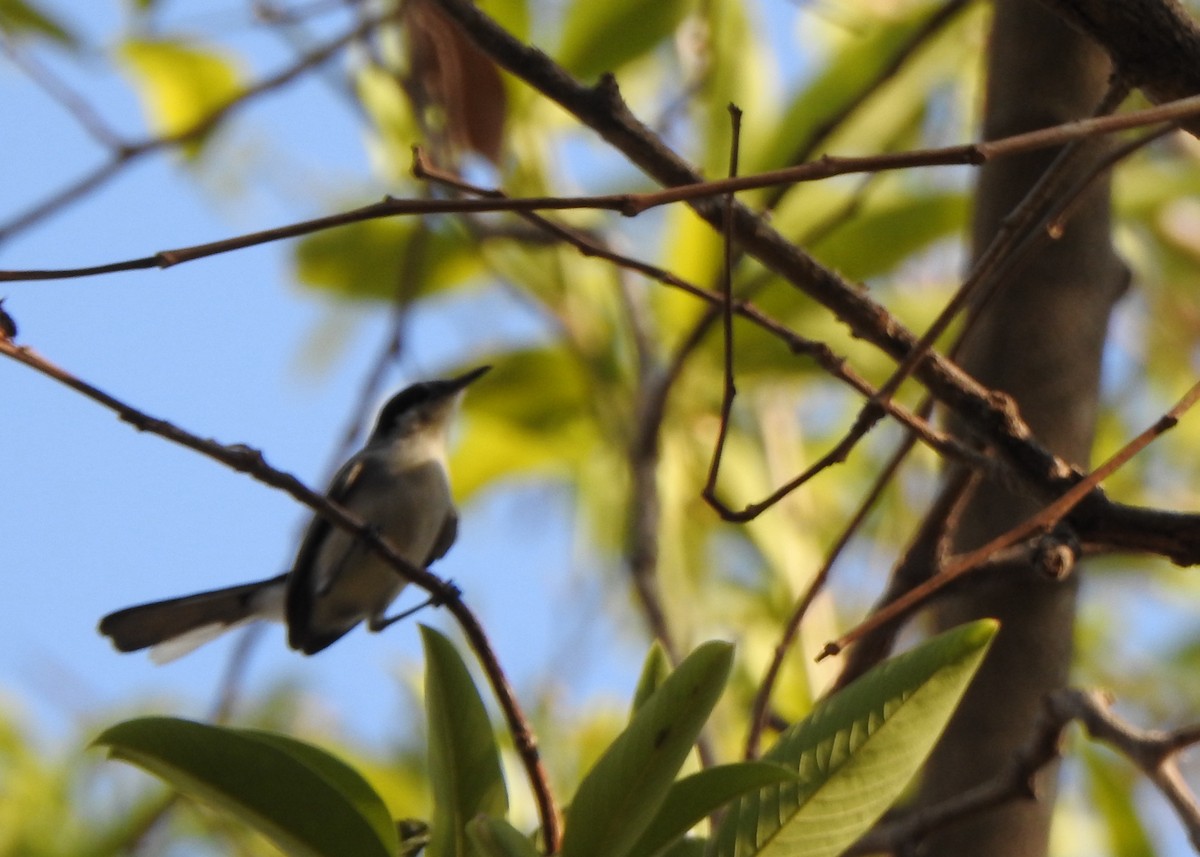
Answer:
(1056, 553)
(608, 92)
(832, 649)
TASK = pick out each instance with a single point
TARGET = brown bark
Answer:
(1040, 340)
(1154, 43)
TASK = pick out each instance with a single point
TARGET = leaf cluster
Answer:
(823, 783)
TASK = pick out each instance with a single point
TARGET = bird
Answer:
(398, 484)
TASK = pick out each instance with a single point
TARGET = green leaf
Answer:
(512, 15)
(348, 781)
(464, 763)
(654, 673)
(874, 46)
(19, 18)
(856, 751)
(307, 801)
(623, 791)
(600, 37)
(890, 231)
(385, 259)
(1110, 785)
(694, 798)
(687, 848)
(495, 837)
(531, 417)
(181, 86)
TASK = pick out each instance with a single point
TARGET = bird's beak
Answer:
(453, 385)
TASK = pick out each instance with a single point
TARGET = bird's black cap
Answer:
(423, 393)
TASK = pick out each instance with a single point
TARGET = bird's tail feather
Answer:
(176, 626)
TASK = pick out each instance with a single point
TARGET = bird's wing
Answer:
(303, 586)
(446, 536)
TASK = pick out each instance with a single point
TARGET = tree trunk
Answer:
(1040, 340)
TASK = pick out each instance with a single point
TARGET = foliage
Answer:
(831, 775)
(567, 406)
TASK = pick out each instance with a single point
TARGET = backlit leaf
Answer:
(182, 86)
(856, 752)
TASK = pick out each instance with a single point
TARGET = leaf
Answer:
(344, 778)
(694, 798)
(495, 837)
(19, 18)
(654, 673)
(600, 37)
(531, 418)
(458, 77)
(623, 791)
(687, 848)
(385, 259)
(181, 86)
(1110, 788)
(890, 231)
(308, 802)
(841, 82)
(856, 751)
(464, 763)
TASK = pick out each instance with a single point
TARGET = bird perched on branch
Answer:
(398, 484)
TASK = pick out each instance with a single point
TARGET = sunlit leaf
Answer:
(389, 259)
(307, 801)
(871, 47)
(856, 751)
(512, 15)
(182, 85)
(464, 763)
(599, 37)
(1110, 785)
(623, 791)
(890, 231)
(694, 798)
(654, 672)
(531, 418)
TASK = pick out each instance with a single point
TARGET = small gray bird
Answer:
(398, 483)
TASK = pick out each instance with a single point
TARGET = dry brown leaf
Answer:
(458, 77)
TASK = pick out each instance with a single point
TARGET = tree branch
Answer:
(251, 462)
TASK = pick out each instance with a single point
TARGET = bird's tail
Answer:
(176, 626)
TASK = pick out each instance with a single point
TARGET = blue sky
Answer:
(97, 516)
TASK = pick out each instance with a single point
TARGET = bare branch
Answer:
(1155, 753)
(124, 154)
(251, 462)
(1042, 521)
(1155, 44)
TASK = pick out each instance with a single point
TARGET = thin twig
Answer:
(251, 462)
(1042, 521)
(762, 696)
(901, 55)
(832, 363)
(728, 389)
(629, 204)
(992, 417)
(235, 672)
(1002, 253)
(60, 93)
(913, 567)
(1155, 753)
(125, 153)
